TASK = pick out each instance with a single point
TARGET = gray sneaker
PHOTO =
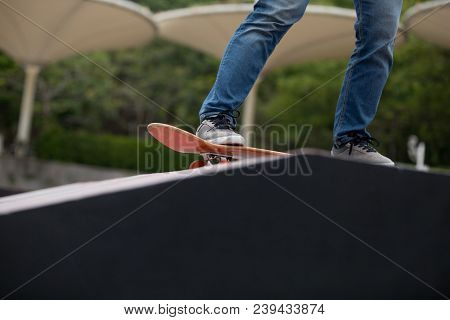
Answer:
(219, 130)
(362, 150)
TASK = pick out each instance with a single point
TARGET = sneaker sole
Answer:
(230, 140)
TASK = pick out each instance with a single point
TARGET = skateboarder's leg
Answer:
(368, 69)
(367, 73)
(248, 51)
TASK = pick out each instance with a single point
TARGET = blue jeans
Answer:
(367, 71)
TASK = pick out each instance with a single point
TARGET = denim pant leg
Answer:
(248, 51)
(369, 67)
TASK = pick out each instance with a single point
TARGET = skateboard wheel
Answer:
(197, 164)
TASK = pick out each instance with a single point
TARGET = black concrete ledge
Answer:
(341, 230)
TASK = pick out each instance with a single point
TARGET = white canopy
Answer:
(36, 33)
(86, 25)
(324, 32)
(430, 21)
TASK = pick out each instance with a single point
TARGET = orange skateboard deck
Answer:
(185, 142)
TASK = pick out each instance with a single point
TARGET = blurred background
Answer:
(92, 126)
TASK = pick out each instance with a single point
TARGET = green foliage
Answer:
(160, 5)
(140, 154)
(415, 101)
(291, 96)
(166, 83)
(11, 79)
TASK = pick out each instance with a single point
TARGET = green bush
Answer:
(142, 154)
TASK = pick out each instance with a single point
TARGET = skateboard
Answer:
(185, 142)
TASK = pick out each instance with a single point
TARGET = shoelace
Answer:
(366, 143)
(222, 121)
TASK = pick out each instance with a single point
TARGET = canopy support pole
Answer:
(26, 109)
(249, 115)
